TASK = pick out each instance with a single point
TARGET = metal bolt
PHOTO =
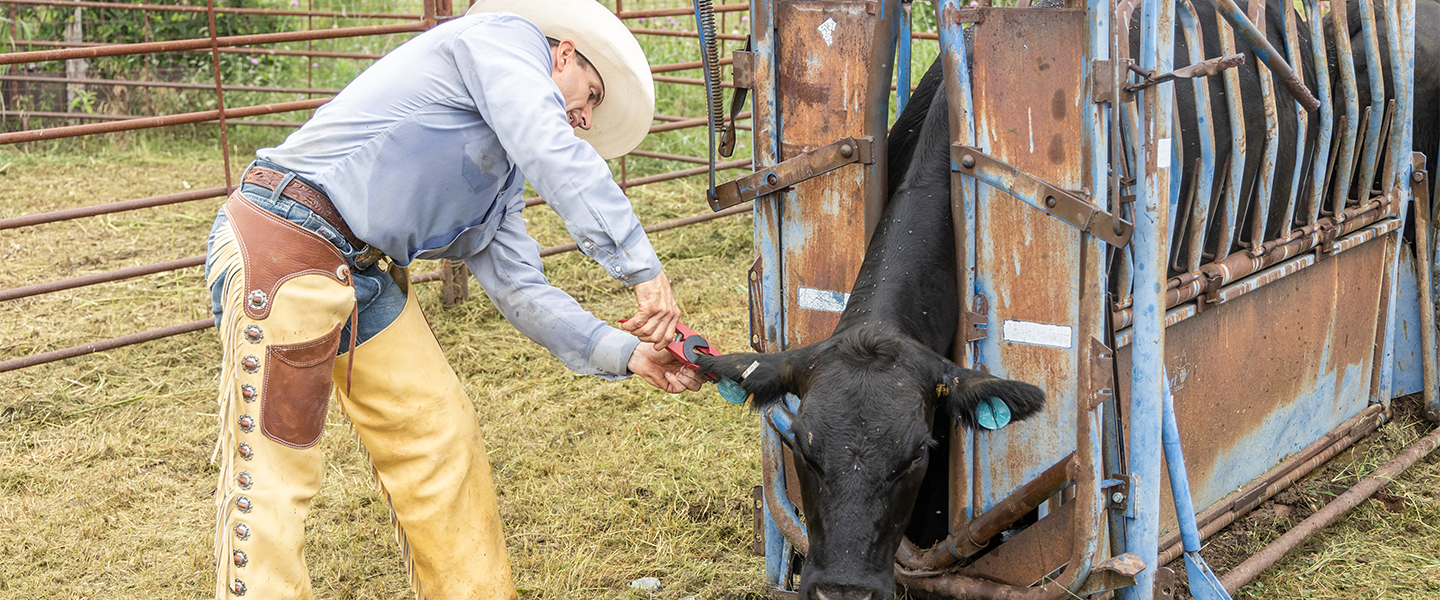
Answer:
(1117, 497)
(846, 150)
(754, 276)
(754, 339)
(1117, 227)
(1418, 176)
(1049, 202)
(772, 179)
(968, 161)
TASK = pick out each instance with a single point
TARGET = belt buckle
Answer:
(368, 258)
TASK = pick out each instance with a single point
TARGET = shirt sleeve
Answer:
(510, 270)
(504, 64)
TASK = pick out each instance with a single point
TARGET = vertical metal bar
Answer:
(1320, 163)
(1148, 348)
(219, 91)
(1295, 53)
(960, 102)
(777, 547)
(1346, 59)
(877, 107)
(1424, 274)
(1203, 583)
(902, 79)
(1370, 153)
(1265, 179)
(1200, 210)
(1234, 186)
(1254, 37)
(1403, 75)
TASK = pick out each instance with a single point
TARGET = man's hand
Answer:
(663, 370)
(655, 321)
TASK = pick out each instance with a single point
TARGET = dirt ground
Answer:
(107, 483)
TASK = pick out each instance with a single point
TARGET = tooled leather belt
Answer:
(317, 201)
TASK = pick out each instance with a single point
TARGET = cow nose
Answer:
(824, 592)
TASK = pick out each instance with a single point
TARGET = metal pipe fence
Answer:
(435, 12)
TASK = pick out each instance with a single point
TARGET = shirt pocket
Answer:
(484, 162)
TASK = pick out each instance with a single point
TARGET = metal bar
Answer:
(902, 79)
(112, 207)
(877, 108)
(1255, 39)
(166, 84)
(1203, 585)
(110, 344)
(1150, 246)
(1234, 185)
(1424, 274)
(1358, 493)
(107, 277)
(99, 117)
(677, 12)
(15, 58)
(201, 9)
(1370, 153)
(150, 122)
(675, 157)
(686, 66)
(219, 92)
(1054, 201)
(259, 51)
(687, 81)
(1401, 38)
(730, 164)
(1346, 59)
(689, 123)
(685, 34)
(1202, 179)
(793, 171)
(1302, 120)
(1264, 190)
(671, 224)
(1319, 165)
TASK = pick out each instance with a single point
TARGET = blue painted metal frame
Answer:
(1203, 583)
(902, 77)
(1319, 168)
(1200, 210)
(1370, 153)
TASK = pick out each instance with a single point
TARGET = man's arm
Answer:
(505, 65)
(510, 271)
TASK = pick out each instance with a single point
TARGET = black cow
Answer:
(867, 428)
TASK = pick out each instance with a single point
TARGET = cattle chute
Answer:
(1265, 308)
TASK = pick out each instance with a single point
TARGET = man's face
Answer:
(579, 84)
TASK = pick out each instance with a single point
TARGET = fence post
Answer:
(454, 282)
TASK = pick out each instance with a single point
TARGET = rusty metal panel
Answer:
(1031, 554)
(823, 49)
(1245, 401)
(1028, 110)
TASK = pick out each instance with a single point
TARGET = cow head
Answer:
(862, 442)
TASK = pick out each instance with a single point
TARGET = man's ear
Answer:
(964, 391)
(768, 377)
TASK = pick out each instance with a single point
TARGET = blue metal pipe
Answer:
(1255, 39)
(1402, 73)
(1265, 179)
(1302, 121)
(902, 83)
(1321, 158)
(1234, 185)
(1203, 583)
(777, 505)
(1151, 251)
(1370, 153)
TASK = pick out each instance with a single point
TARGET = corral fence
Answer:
(41, 104)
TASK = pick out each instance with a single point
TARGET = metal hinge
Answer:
(1102, 373)
(790, 172)
(1056, 202)
(757, 543)
(1103, 85)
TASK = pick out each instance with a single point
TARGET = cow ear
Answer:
(970, 396)
(767, 377)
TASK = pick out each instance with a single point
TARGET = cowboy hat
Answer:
(621, 121)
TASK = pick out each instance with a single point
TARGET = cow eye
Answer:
(919, 457)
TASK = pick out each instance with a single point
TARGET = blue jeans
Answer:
(378, 297)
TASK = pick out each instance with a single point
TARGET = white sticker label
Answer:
(826, 300)
(827, 31)
(1037, 334)
(1162, 153)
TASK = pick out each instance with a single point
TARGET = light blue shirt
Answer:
(426, 153)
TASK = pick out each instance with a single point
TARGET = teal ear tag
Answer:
(992, 413)
(734, 394)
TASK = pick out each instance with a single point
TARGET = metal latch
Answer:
(790, 172)
(1204, 68)
(1041, 194)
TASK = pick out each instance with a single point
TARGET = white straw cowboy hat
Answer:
(623, 118)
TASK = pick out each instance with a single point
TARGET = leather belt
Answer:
(317, 201)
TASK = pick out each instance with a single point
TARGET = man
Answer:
(423, 156)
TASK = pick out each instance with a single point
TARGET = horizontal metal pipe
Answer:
(688, 34)
(15, 58)
(106, 277)
(677, 12)
(1337, 508)
(675, 157)
(672, 224)
(977, 533)
(259, 51)
(16, 137)
(100, 117)
(1279, 478)
(111, 207)
(110, 344)
(688, 81)
(165, 84)
(742, 163)
(218, 9)
(686, 66)
(688, 123)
